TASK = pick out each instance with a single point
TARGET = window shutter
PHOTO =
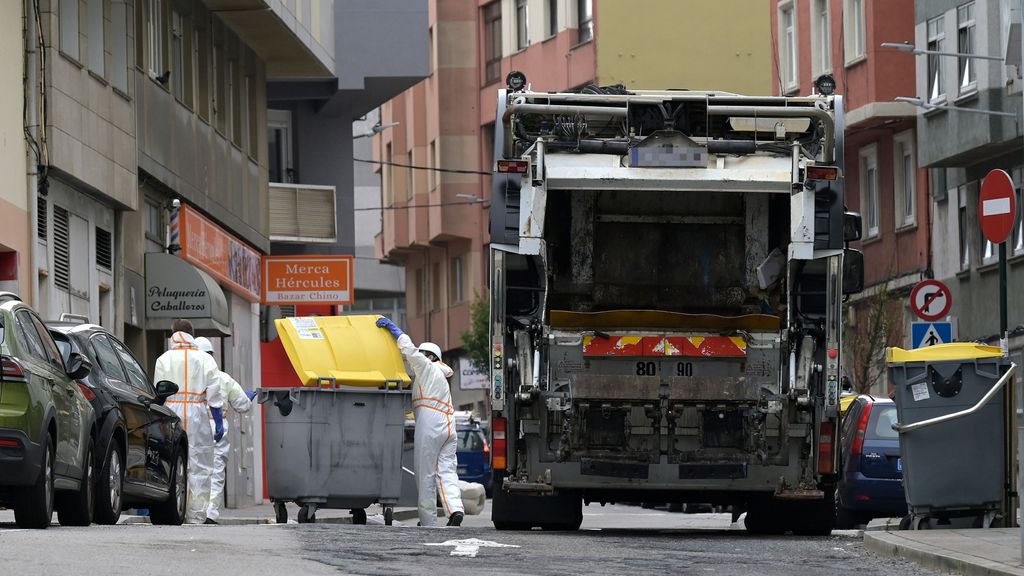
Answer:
(61, 248)
(302, 214)
(104, 249)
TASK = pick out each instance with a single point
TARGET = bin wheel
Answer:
(921, 523)
(358, 516)
(987, 520)
(307, 516)
(389, 516)
(280, 512)
(905, 522)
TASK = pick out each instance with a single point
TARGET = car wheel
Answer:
(75, 508)
(171, 512)
(110, 487)
(35, 510)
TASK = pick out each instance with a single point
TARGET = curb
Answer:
(933, 557)
(400, 515)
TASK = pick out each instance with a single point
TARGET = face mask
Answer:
(445, 369)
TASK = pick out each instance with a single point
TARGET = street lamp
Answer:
(910, 48)
(377, 129)
(929, 106)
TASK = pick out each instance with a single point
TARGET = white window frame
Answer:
(788, 49)
(854, 30)
(903, 146)
(585, 20)
(868, 163)
(966, 67)
(155, 36)
(552, 15)
(821, 37)
(70, 29)
(935, 89)
(522, 8)
(963, 229)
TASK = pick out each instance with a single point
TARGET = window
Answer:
(388, 177)
(962, 229)
(181, 58)
(279, 143)
(457, 296)
(492, 42)
(552, 18)
(1018, 232)
(29, 338)
(904, 172)
(220, 103)
(119, 46)
(107, 358)
(155, 33)
(431, 157)
(855, 30)
(431, 65)
(235, 100)
(936, 40)
(49, 346)
(95, 43)
(252, 114)
(421, 291)
(821, 38)
(201, 68)
(965, 45)
(585, 19)
(787, 46)
(69, 39)
(869, 189)
(436, 286)
(136, 375)
(410, 177)
(522, 25)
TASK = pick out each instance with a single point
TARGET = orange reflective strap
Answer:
(437, 470)
(429, 407)
(438, 400)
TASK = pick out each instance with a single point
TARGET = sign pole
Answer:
(1004, 342)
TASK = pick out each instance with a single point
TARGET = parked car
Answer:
(473, 452)
(141, 446)
(47, 426)
(871, 485)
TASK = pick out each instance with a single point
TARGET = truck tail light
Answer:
(826, 447)
(11, 369)
(821, 173)
(499, 454)
(513, 166)
(862, 428)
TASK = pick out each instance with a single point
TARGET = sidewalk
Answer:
(973, 552)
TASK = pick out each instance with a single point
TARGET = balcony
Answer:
(303, 214)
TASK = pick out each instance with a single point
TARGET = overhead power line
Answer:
(430, 168)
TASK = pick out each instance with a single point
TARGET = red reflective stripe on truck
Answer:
(653, 346)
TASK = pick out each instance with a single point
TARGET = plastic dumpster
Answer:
(337, 443)
(950, 407)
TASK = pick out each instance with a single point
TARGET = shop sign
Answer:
(307, 279)
(220, 254)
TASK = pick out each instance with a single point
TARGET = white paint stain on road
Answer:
(469, 547)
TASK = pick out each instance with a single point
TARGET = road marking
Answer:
(469, 547)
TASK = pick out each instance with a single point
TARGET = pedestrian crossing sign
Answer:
(924, 334)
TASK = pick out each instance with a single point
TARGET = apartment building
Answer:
(15, 213)
(883, 179)
(436, 215)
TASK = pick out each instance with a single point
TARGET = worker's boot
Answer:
(455, 519)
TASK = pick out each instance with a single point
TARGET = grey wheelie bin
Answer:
(950, 407)
(336, 440)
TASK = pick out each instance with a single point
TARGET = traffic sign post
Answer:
(997, 209)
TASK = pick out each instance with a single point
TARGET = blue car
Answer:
(872, 471)
(473, 453)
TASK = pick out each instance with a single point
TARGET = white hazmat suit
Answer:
(199, 389)
(435, 438)
(236, 397)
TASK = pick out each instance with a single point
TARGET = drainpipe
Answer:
(34, 158)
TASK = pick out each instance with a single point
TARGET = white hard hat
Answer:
(432, 348)
(204, 344)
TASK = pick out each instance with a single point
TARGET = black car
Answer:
(141, 448)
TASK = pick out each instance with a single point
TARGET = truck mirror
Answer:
(851, 226)
(853, 270)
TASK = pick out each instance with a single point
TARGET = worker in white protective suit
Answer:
(240, 401)
(436, 437)
(198, 399)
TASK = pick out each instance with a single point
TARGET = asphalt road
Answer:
(615, 540)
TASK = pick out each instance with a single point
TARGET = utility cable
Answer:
(431, 168)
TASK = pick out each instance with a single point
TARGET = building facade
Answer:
(963, 259)
(17, 159)
(882, 177)
(436, 214)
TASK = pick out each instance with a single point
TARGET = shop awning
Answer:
(176, 289)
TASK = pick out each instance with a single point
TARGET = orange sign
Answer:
(219, 254)
(307, 279)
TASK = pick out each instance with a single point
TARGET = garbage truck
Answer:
(667, 278)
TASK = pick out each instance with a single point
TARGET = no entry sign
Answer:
(930, 300)
(997, 206)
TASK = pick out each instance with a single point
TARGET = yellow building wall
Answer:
(14, 223)
(694, 44)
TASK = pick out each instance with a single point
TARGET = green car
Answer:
(47, 427)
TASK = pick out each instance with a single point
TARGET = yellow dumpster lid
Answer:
(350, 349)
(943, 352)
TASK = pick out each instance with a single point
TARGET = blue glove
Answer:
(251, 394)
(386, 323)
(218, 421)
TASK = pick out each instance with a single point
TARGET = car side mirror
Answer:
(852, 223)
(853, 271)
(164, 390)
(78, 366)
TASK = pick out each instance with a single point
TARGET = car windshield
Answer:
(470, 441)
(884, 417)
